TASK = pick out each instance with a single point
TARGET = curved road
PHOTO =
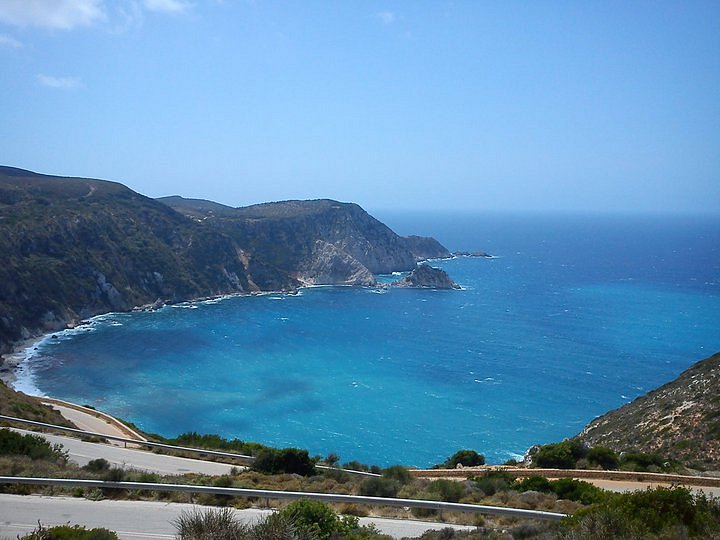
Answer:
(82, 452)
(19, 514)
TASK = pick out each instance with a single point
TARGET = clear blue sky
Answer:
(534, 105)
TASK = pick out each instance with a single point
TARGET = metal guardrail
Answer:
(199, 451)
(290, 495)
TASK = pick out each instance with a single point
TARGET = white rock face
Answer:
(330, 265)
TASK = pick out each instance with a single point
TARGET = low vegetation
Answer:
(19, 405)
(193, 439)
(574, 454)
(654, 514)
(69, 532)
(285, 461)
(301, 520)
(32, 446)
(464, 458)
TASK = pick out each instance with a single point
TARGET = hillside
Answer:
(680, 420)
(19, 405)
(317, 242)
(76, 247)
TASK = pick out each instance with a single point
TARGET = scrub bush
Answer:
(466, 458)
(380, 487)
(654, 513)
(287, 460)
(562, 455)
(68, 532)
(494, 481)
(448, 490)
(317, 520)
(398, 473)
(33, 446)
(603, 457)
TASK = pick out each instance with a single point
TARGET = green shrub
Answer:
(533, 483)
(565, 488)
(97, 465)
(448, 490)
(577, 490)
(215, 442)
(399, 473)
(603, 457)
(116, 474)
(340, 476)
(466, 458)
(562, 455)
(209, 524)
(380, 487)
(33, 446)
(69, 532)
(357, 466)
(317, 520)
(223, 481)
(493, 481)
(287, 460)
(654, 513)
(640, 461)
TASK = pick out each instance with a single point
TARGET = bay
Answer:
(574, 316)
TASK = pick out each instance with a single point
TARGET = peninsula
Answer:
(78, 247)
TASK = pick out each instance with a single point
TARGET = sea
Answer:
(573, 315)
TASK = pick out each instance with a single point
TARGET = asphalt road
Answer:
(19, 514)
(81, 452)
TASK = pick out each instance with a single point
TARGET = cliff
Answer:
(76, 247)
(315, 242)
(427, 277)
(680, 420)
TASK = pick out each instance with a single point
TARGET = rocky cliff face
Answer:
(320, 241)
(427, 277)
(680, 420)
(329, 264)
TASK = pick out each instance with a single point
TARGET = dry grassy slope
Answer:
(680, 420)
(19, 405)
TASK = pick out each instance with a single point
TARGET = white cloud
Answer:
(62, 14)
(10, 42)
(63, 83)
(168, 6)
(386, 17)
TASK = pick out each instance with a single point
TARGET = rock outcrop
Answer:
(330, 265)
(427, 277)
(680, 420)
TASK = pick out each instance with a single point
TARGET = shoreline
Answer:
(12, 362)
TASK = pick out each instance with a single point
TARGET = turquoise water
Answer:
(575, 316)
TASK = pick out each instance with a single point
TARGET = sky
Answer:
(583, 106)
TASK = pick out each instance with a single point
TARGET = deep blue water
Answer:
(575, 316)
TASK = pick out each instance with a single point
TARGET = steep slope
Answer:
(680, 420)
(316, 242)
(72, 248)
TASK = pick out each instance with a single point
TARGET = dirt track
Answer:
(611, 480)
